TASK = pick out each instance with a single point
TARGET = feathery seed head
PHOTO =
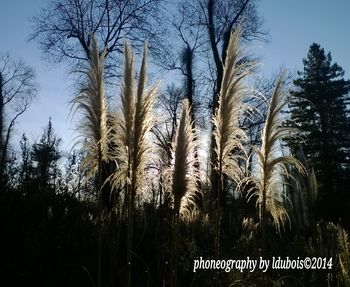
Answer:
(269, 183)
(229, 137)
(185, 173)
(91, 102)
(133, 125)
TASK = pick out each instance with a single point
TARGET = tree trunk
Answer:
(214, 177)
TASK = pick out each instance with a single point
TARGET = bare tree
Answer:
(17, 90)
(220, 19)
(169, 103)
(203, 27)
(62, 29)
(257, 100)
(201, 32)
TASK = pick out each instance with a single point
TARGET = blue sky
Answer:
(292, 24)
(295, 24)
(54, 86)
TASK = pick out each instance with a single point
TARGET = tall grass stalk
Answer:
(184, 177)
(344, 256)
(132, 147)
(303, 193)
(268, 185)
(91, 101)
(229, 137)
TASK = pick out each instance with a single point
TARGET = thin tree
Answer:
(228, 136)
(91, 101)
(132, 147)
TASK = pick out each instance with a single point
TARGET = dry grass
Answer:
(344, 256)
(91, 101)
(183, 178)
(185, 174)
(131, 148)
(268, 184)
(229, 137)
(132, 126)
(303, 192)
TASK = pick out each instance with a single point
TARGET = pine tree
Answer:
(46, 155)
(319, 112)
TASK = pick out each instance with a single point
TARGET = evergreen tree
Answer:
(45, 155)
(25, 168)
(319, 111)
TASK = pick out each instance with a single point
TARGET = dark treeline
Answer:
(137, 202)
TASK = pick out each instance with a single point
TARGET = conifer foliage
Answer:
(318, 110)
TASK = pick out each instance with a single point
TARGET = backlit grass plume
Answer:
(185, 173)
(268, 185)
(91, 101)
(132, 147)
(229, 137)
(184, 177)
(133, 125)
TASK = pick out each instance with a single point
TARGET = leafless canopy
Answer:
(62, 29)
(17, 90)
(17, 85)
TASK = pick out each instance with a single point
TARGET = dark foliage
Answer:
(319, 111)
(49, 234)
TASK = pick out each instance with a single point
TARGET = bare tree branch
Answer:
(17, 90)
(62, 28)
